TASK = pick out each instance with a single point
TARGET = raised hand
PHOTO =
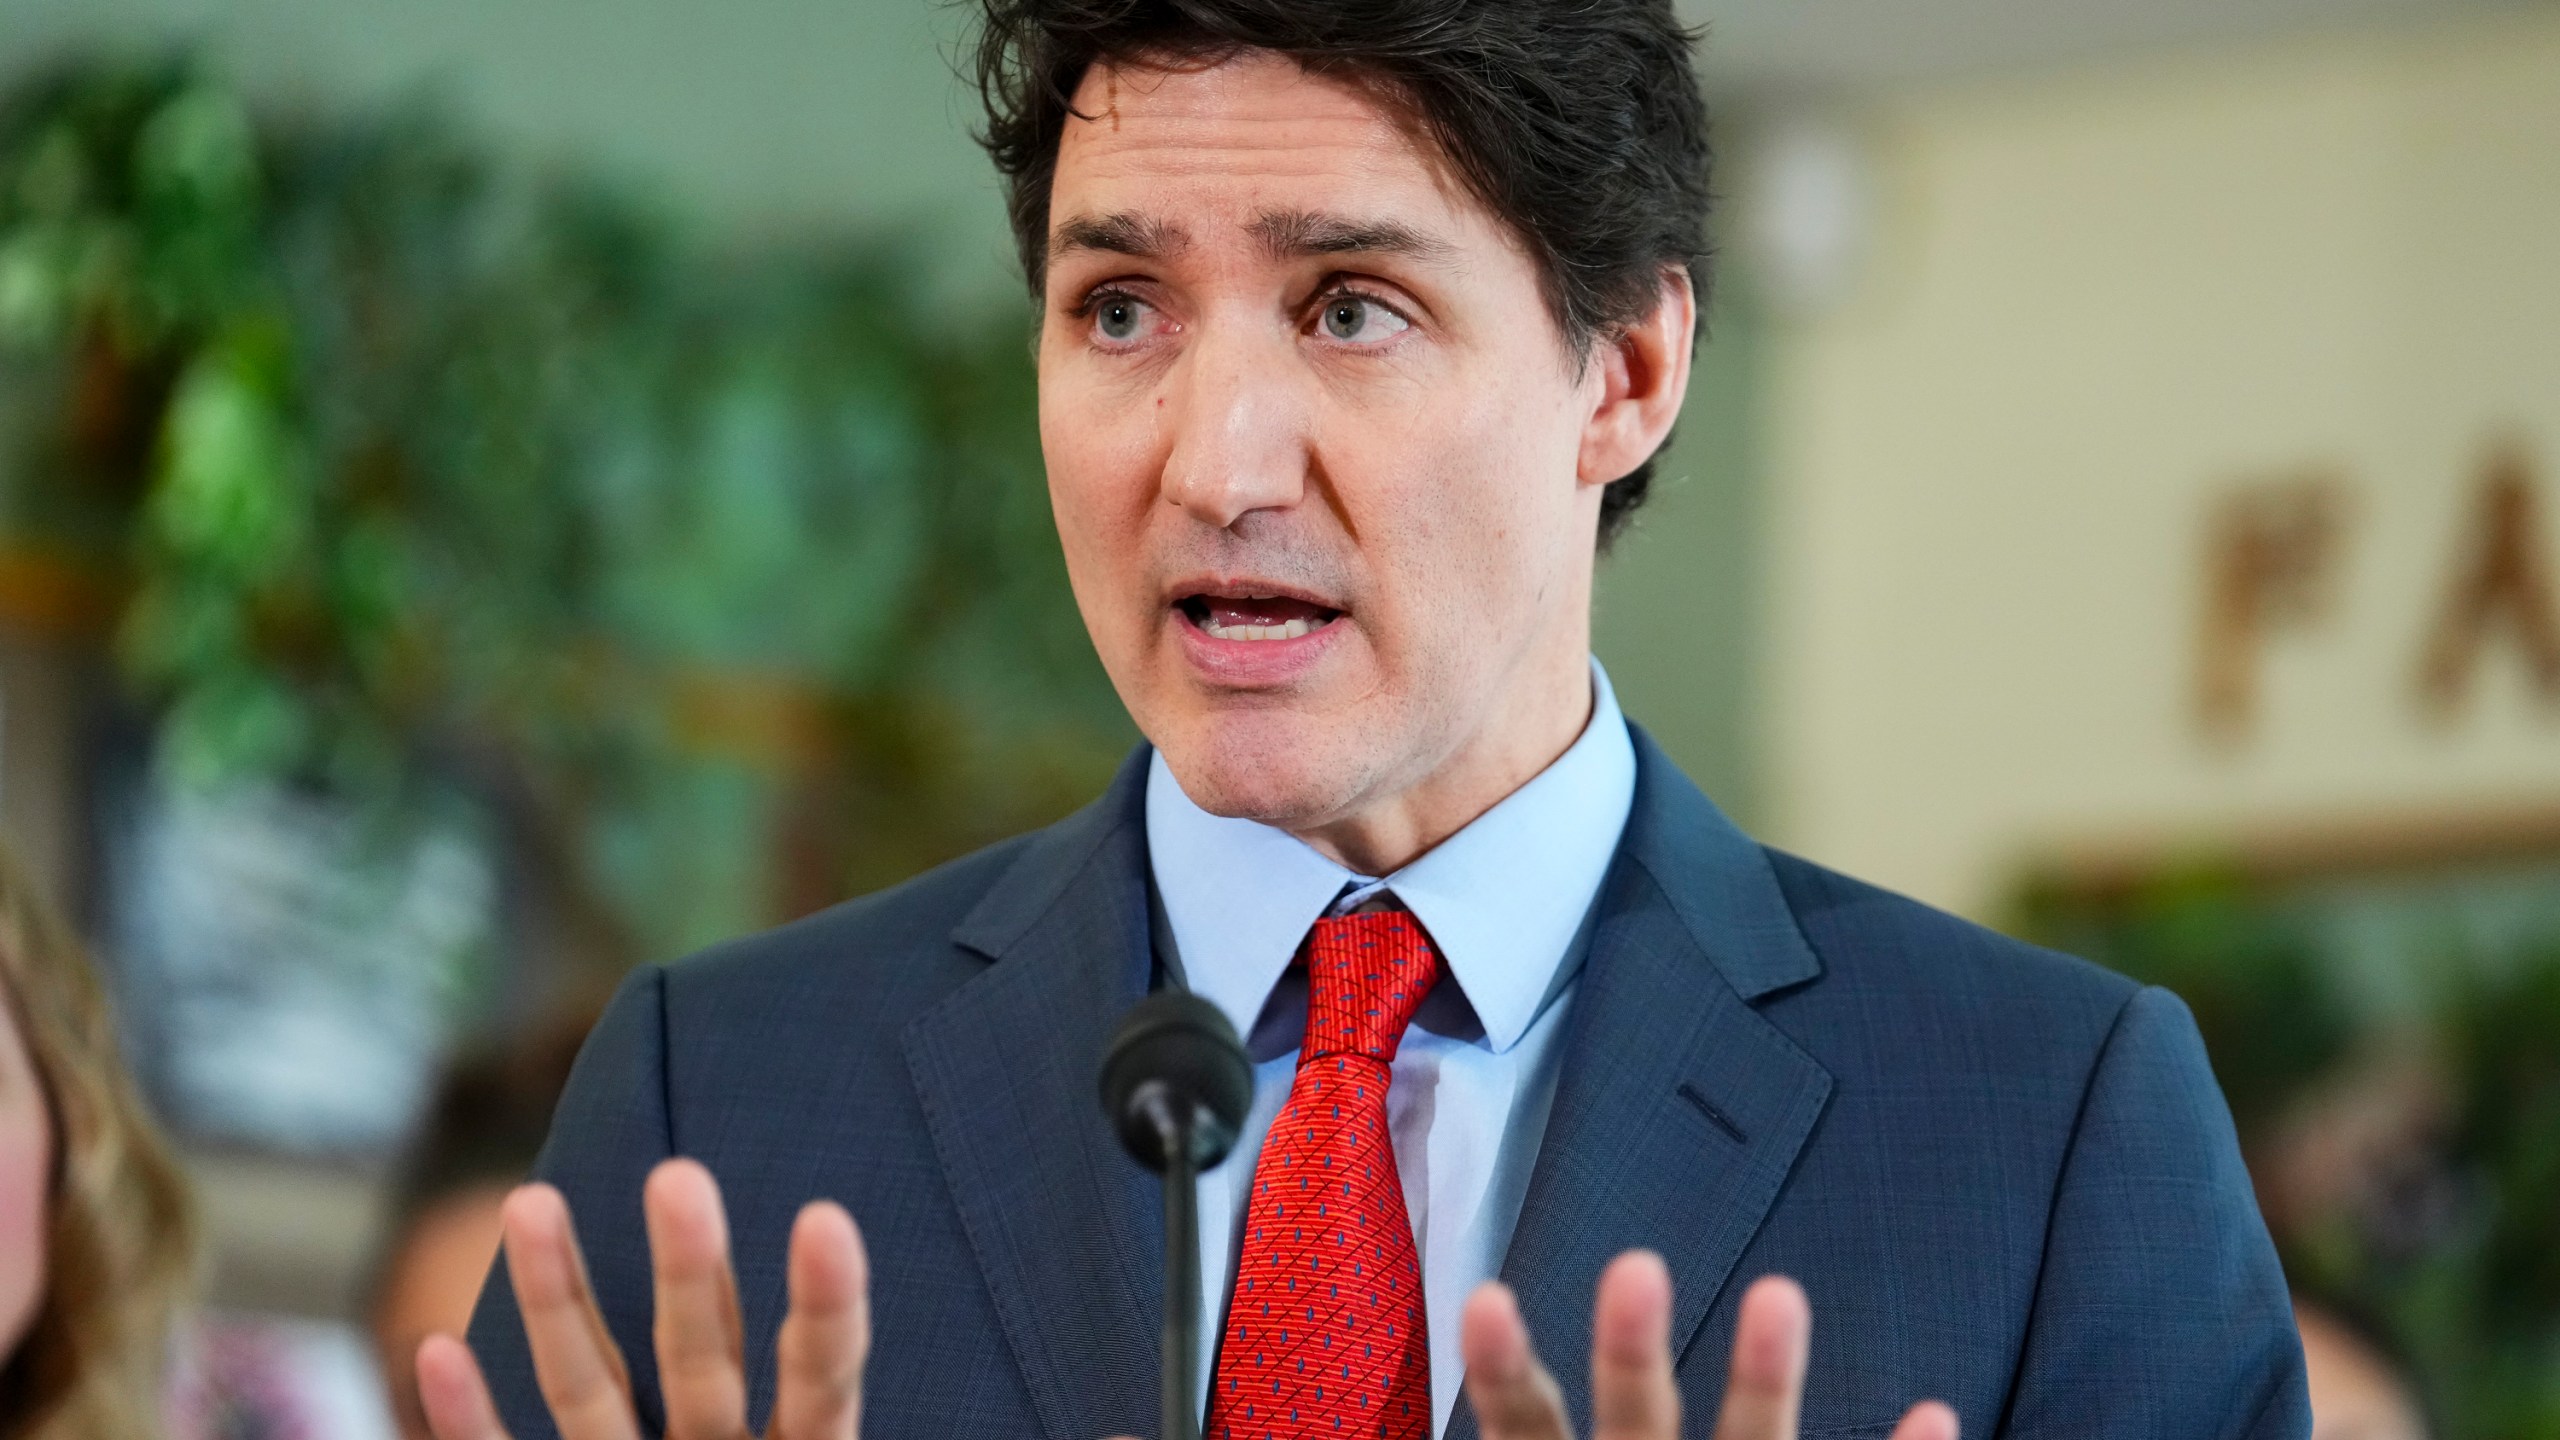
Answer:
(1633, 1396)
(826, 1337)
(701, 1348)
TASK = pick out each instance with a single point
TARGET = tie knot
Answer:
(1366, 975)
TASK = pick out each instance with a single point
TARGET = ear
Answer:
(1643, 373)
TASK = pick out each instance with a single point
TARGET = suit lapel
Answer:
(1679, 1110)
(1063, 1225)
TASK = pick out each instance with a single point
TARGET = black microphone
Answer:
(1175, 1082)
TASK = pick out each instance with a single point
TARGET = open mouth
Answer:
(1254, 617)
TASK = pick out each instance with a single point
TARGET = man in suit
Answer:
(1361, 324)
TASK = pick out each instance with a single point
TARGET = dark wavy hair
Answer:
(1576, 122)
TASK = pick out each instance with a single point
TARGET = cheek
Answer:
(1473, 500)
(26, 1173)
(1100, 454)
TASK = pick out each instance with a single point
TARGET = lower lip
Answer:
(1253, 664)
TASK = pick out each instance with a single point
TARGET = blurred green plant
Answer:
(387, 467)
(2429, 1140)
(2271, 1019)
(2482, 1312)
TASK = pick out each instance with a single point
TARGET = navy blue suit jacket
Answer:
(2006, 1178)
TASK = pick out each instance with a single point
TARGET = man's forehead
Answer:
(1240, 97)
(1158, 160)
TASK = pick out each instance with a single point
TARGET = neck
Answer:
(1550, 708)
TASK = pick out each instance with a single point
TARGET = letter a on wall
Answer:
(2501, 586)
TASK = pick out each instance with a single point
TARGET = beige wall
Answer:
(2092, 303)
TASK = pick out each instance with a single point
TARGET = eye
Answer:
(1356, 319)
(1118, 317)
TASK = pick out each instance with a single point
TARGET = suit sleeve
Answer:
(2161, 1313)
(611, 1127)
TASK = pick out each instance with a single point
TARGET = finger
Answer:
(826, 1339)
(1771, 1340)
(1632, 1394)
(701, 1357)
(574, 1356)
(455, 1396)
(1514, 1396)
(1928, 1420)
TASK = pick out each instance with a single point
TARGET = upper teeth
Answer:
(1289, 630)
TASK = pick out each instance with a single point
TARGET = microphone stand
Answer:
(1173, 1122)
(1176, 1084)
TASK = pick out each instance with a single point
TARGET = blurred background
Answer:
(491, 494)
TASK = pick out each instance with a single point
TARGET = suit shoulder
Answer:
(1889, 947)
(869, 939)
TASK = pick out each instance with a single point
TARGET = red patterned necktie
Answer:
(1325, 1333)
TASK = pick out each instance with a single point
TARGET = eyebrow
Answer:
(1295, 234)
(1122, 233)
(1285, 235)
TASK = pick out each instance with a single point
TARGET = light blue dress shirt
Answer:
(1507, 901)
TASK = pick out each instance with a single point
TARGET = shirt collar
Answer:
(1502, 898)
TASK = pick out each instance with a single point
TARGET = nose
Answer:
(1238, 424)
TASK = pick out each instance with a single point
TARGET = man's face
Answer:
(1313, 441)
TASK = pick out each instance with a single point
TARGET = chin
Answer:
(1250, 768)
